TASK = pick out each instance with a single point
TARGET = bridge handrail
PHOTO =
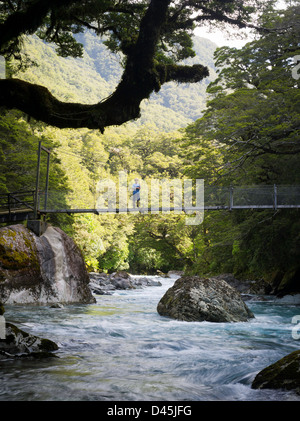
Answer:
(215, 198)
(13, 201)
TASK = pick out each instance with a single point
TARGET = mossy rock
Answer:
(195, 299)
(34, 268)
(20, 343)
(284, 374)
(17, 248)
(19, 262)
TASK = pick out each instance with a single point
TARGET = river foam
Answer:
(121, 349)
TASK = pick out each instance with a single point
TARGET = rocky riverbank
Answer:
(41, 270)
(106, 284)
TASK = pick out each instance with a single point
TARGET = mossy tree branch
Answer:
(149, 25)
(140, 78)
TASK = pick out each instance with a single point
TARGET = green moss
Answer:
(17, 340)
(17, 251)
(47, 345)
(16, 330)
(284, 374)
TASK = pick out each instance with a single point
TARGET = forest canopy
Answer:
(247, 135)
(153, 37)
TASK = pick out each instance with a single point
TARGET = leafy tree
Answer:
(255, 107)
(18, 163)
(250, 135)
(166, 238)
(153, 36)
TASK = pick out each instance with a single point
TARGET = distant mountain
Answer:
(94, 77)
(185, 100)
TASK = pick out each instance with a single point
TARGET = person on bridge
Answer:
(136, 187)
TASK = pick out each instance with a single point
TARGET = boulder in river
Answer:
(121, 280)
(41, 270)
(192, 298)
(283, 374)
(20, 344)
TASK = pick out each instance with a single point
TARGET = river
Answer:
(120, 349)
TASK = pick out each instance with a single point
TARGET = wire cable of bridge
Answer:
(79, 156)
(59, 150)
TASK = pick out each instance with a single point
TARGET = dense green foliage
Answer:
(86, 156)
(248, 134)
(252, 119)
(98, 72)
(153, 38)
(18, 162)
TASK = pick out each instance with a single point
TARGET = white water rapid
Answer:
(121, 349)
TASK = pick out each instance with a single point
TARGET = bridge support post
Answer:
(230, 198)
(36, 199)
(37, 226)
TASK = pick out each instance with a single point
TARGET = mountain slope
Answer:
(94, 77)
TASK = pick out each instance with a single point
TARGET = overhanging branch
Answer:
(140, 78)
(123, 105)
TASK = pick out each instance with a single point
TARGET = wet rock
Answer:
(18, 343)
(194, 299)
(153, 283)
(284, 374)
(100, 284)
(56, 305)
(120, 275)
(245, 286)
(42, 270)
(175, 273)
(290, 299)
(104, 284)
(121, 280)
(161, 274)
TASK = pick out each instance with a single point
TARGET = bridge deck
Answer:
(162, 209)
(25, 205)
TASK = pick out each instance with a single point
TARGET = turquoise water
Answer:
(121, 349)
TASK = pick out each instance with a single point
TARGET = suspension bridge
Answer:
(32, 205)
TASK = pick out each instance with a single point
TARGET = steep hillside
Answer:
(95, 76)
